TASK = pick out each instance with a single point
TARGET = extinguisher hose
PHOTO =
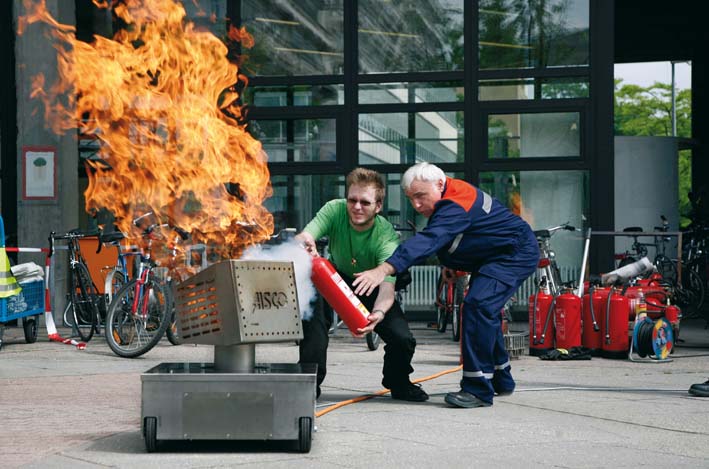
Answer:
(382, 392)
(546, 322)
(593, 314)
(534, 320)
(608, 315)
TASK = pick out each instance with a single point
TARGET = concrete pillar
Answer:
(36, 218)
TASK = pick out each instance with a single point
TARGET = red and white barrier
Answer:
(52, 333)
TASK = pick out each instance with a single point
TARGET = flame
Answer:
(161, 97)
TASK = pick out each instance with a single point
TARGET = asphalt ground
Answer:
(63, 407)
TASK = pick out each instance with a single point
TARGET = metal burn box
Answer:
(239, 302)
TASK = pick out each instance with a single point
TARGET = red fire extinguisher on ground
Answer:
(541, 334)
(615, 330)
(567, 321)
(593, 319)
(339, 295)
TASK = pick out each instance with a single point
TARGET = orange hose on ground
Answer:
(382, 392)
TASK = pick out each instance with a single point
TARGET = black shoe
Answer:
(700, 390)
(505, 392)
(465, 399)
(409, 392)
(317, 392)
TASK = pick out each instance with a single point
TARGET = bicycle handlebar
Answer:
(547, 232)
(152, 227)
(71, 235)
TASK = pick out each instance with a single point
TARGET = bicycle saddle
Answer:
(633, 229)
(111, 237)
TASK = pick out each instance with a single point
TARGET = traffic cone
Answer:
(8, 284)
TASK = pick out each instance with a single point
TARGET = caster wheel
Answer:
(306, 436)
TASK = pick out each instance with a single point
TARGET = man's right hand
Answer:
(308, 243)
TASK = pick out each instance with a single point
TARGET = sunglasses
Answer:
(362, 202)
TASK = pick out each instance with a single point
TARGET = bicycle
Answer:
(450, 292)
(548, 274)
(139, 313)
(689, 293)
(171, 275)
(83, 296)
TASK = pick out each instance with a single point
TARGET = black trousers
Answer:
(394, 331)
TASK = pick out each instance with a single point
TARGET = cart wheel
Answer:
(373, 340)
(305, 437)
(150, 434)
(30, 327)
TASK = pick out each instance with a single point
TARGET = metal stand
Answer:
(233, 305)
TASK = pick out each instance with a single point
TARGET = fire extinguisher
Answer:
(593, 319)
(541, 306)
(567, 321)
(339, 295)
(615, 331)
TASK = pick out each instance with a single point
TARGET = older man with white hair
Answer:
(471, 231)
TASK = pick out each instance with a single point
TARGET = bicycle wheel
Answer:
(458, 297)
(173, 335)
(692, 282)
(441, 300)
(83, 302)
(114, 282)
(373, 340)
(129, 332)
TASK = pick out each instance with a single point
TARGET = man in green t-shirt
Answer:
(361, 239)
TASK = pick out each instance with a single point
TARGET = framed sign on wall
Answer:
(39, 173)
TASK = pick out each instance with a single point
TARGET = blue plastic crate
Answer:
(29, 302)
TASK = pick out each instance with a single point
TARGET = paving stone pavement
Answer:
(62, 407)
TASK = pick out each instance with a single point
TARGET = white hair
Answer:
(421, 172)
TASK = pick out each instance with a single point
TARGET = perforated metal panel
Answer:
(239, 302)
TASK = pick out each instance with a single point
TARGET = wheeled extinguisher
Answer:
(593, 319)
(567, 321)
(339, 295)
(615, 330)
(541, 334)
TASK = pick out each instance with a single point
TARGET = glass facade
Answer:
(553, 134)
(533, 33)
(398, 138)
(384, 84)
(410, 35)
(294, 37)
(397, 93)
(296, 140)
(545, 199)
(490, 90)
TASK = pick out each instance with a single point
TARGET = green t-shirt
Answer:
(368, 248)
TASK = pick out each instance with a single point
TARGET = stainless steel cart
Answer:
(233, 305)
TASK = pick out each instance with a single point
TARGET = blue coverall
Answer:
(471, 231)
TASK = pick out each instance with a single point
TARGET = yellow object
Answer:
(8, 284)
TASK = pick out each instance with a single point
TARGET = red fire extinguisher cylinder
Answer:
(339, 295)
(567, 321)
(541, 331)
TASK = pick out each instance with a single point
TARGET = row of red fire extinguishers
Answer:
(602, 318)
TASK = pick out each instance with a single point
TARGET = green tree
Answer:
(648, 111)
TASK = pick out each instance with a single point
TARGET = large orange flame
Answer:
(161, 99)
